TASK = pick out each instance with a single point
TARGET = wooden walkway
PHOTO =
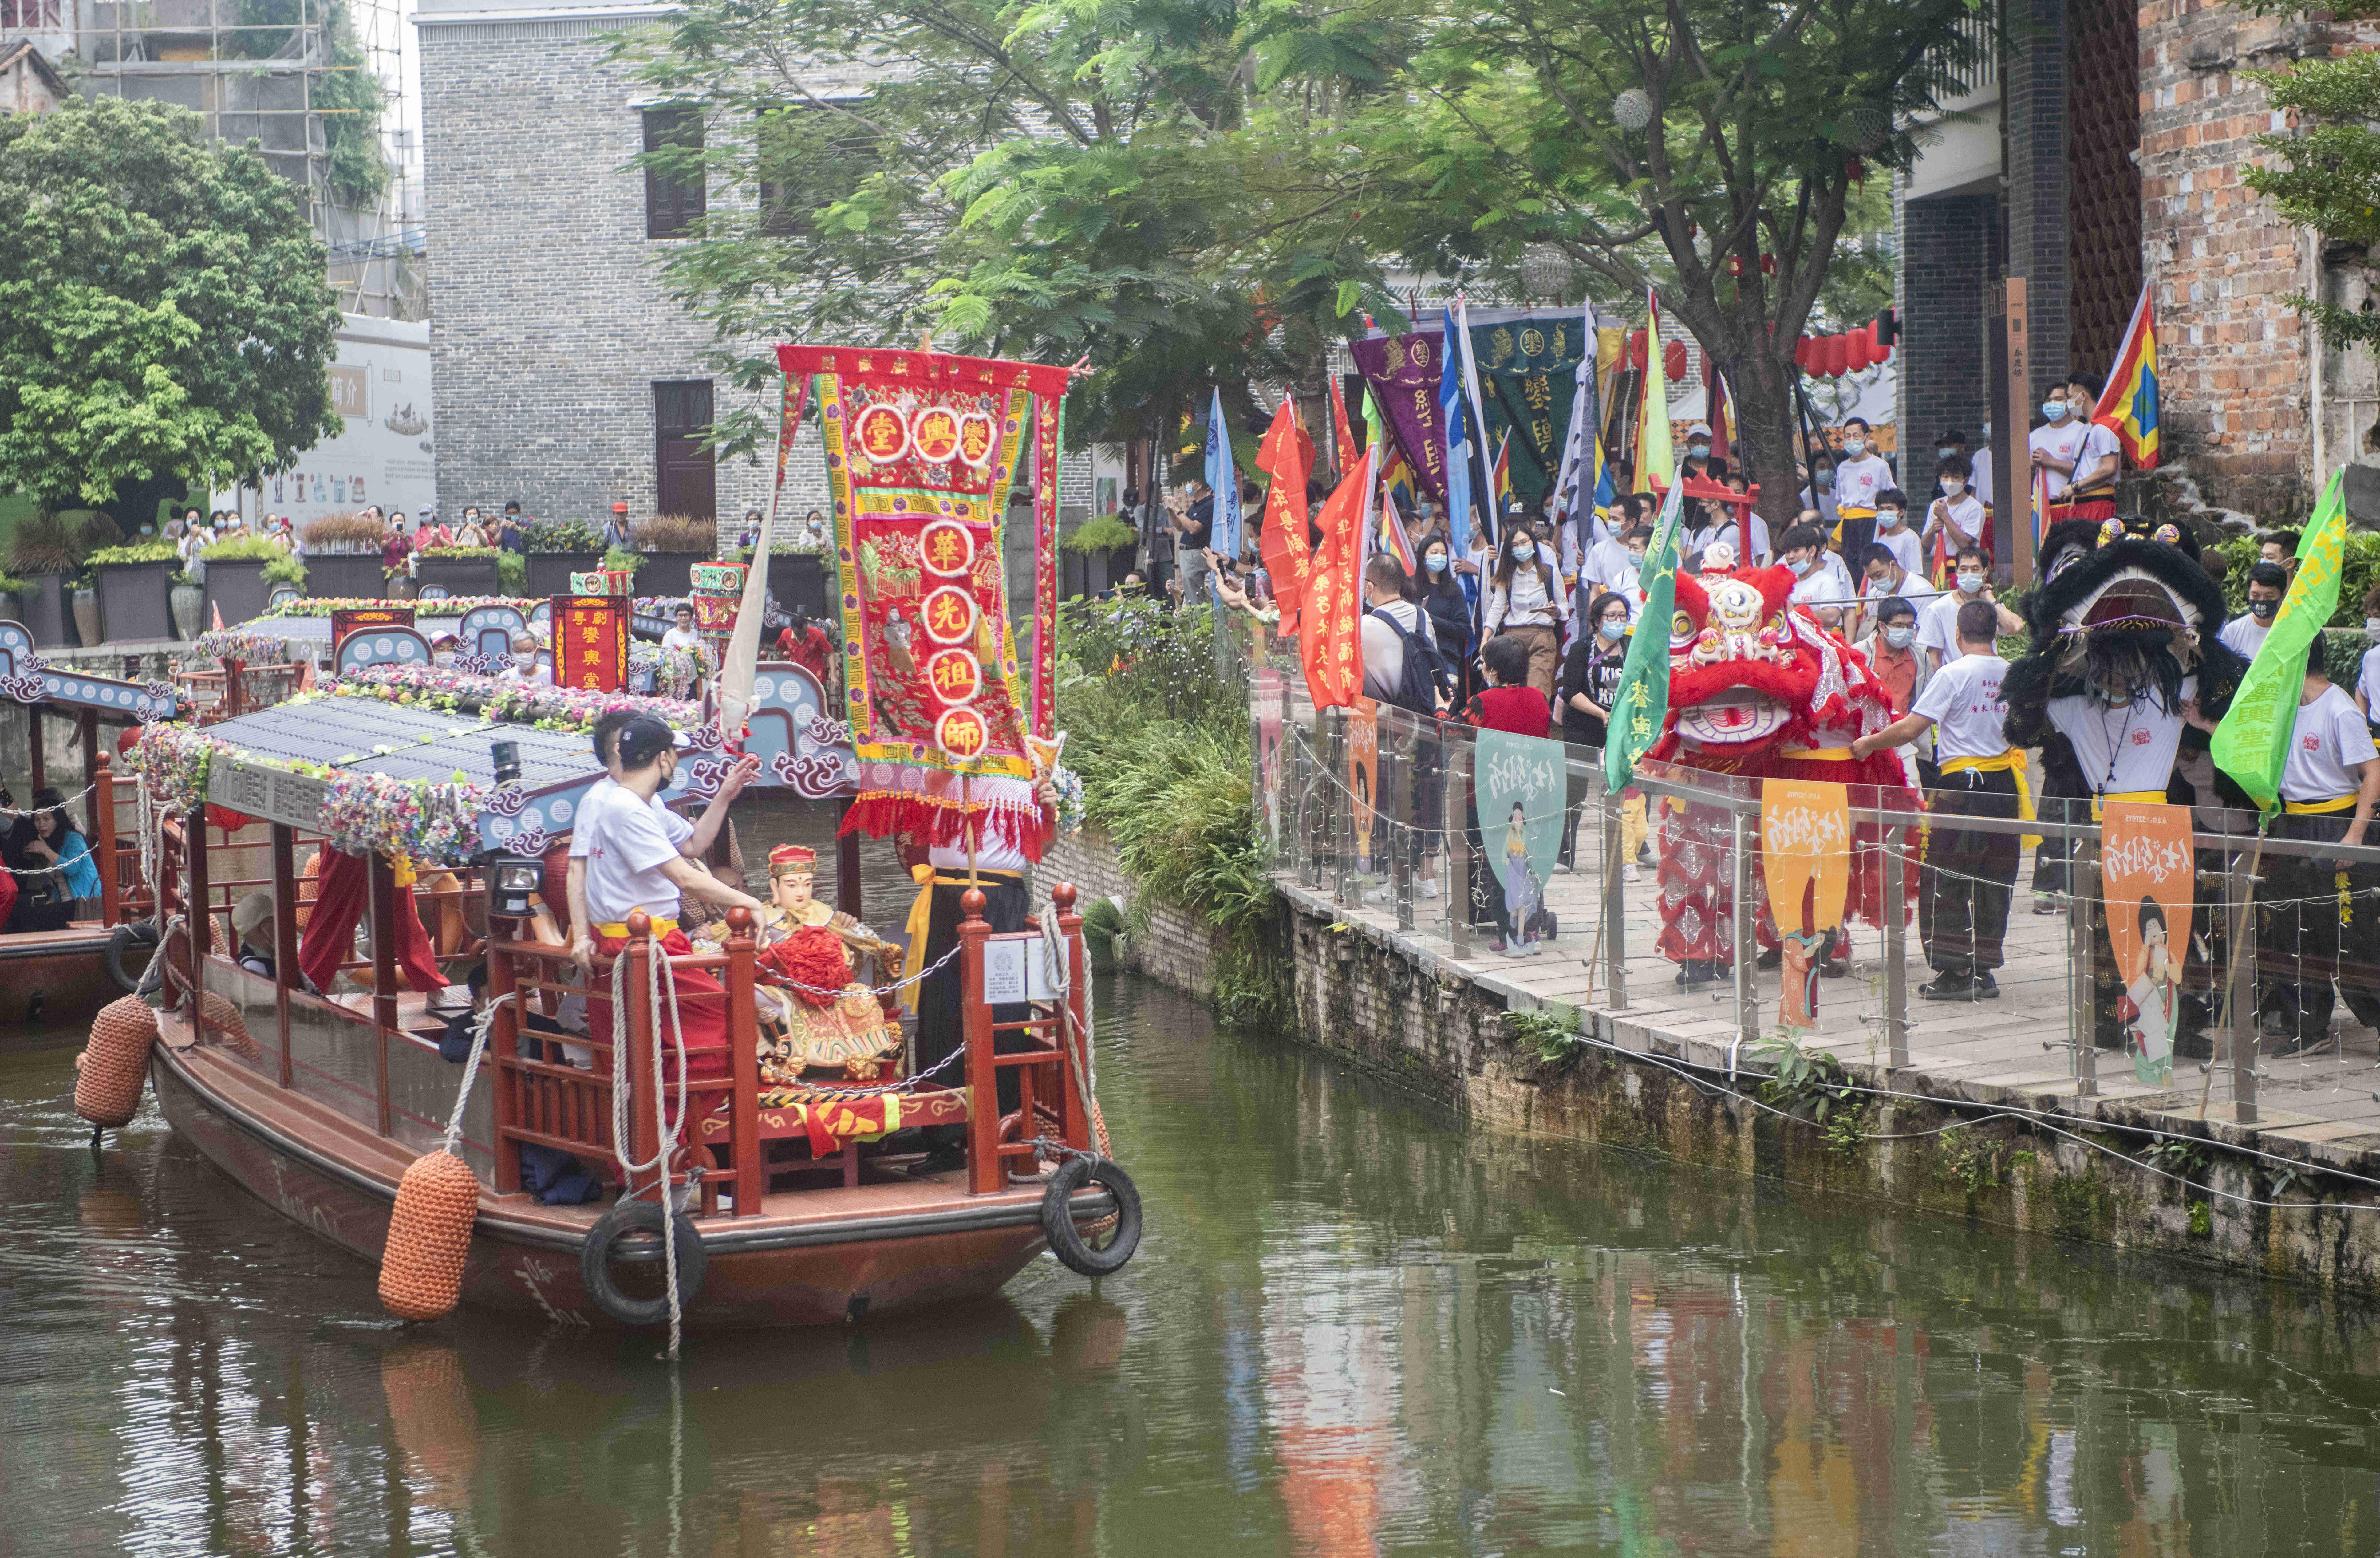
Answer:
(2017, 1049)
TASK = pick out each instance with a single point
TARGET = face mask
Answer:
(2263, 610)
(1635, 559)
(2053, 409)
(1952, 486)
(1888, 519)
(443, 657)
(1434, 562)
(1612, 629)
(1898, 637)
(1801, 566)
(1825, 481)
(1698, 451)
(1970, 584)
(1854, 447)
(1944, 453)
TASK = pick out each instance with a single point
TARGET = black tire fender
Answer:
(124, 938)
(595, 1262)
(1066, 1241)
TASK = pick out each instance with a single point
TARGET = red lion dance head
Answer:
(1750, 672)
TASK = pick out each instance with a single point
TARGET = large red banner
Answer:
(1331, 643)
(590, 642)
(921, 451)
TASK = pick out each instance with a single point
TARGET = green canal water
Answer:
(1353, 1329)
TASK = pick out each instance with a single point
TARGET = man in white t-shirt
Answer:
(2367, 678)
(2329, 782)
(1384, 648)
(1820, 581)
(634, 862)
(1937, 625)
(2268, 583)
(1979, 462)
(1958, 516)
(1968, 874)
(2063, 447)
(1730, 532)
(1892, 529)
(1886, 579)
(1859, 477)
(525, 670)
(2098, 459)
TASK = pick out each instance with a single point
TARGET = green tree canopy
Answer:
(1201, 192)
(164, 310)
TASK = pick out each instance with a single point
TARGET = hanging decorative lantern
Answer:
(1768, 264)
(1673, 360)
(1858, 350)
(1633, 109)
(1735, 266)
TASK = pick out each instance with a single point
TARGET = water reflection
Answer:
(1354, 1329)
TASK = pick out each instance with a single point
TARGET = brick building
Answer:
(2112, 138)
(566, 378)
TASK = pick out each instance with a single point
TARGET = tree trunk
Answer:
(1766, 424)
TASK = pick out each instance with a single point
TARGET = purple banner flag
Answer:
(1402, 372)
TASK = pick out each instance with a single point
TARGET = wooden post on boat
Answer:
(743, 1117)
(503, 1048)
(1077, 1112)
(201, 923)
(232, 673)
(89, 722)
(102, 833)
(36, 770)
(984, 1173)
(284, 934)
(644, 1141)
(846, 872)
(383, 971)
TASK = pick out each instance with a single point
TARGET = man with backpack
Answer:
(1402, 666)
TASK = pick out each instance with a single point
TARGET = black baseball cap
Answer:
(644, 738)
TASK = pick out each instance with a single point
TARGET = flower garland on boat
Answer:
(446, 605)
(546, 708)
(675, 670)
(420, 820)
(239, 643)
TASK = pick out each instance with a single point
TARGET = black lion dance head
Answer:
(2123, 606)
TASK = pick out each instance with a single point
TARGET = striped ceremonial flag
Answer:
(1503, 475)
(2040, 508)
(2128, 407)
(1653, 451)
(1393, 534)
(1397, 482)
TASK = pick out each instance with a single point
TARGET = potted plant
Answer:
(343, 557)
(456, 570)
(45, 551)
(134, 584)
(15, 589)
(1098, 554)
(797, 577)
(620, 560)
(670, 545)
(556, 549)
(235, 576)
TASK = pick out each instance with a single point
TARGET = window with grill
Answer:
(673, 176)
(809, 157)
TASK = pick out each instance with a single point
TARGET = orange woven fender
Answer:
(429, 1234)
(115, 1066)
(310, 887)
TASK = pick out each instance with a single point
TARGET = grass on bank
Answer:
(1161, 738)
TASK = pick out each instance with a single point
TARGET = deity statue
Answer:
(813, 1012)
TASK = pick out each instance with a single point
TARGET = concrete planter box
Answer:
(236, 590)
(549, 573)
(667, 573)
(1094, 573)
(456, 576)
(341, 576)
(44, 613)
(134, 602)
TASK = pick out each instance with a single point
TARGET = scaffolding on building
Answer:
(263, 82)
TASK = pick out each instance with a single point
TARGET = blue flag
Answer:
(1453, 415)
(1225, 482)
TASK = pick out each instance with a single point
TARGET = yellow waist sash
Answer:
(921, 907)
(2010, 761)
(1818, 754)
(2153, 798)
(2316, 807)
(619, 931)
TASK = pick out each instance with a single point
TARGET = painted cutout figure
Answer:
(1520, 881)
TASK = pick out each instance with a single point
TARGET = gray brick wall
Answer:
(1947, 243)
(549, 324)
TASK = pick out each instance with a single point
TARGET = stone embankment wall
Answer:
(1421, 1023)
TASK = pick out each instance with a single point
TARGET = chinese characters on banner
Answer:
(363, 620)
(1805, 860)
(2146, 876)
(921, 451)
(590, 642)
(1331, 644)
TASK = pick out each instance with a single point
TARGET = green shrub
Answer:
(620, 560)
(560, 535)
(512, 573)
(461, 554)
(143, 551)
(16, 588)
(245, 549)
(1104, 533)
(285, 570)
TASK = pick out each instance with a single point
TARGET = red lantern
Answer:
(1636, 351)
(1801, 346)
(1735, 266)
(1858, 350)
(1876, 333)
(1834, 356)
(1768, 264)
(1673, 360)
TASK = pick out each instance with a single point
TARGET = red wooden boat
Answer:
(317, 1103)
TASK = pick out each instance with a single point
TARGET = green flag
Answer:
(2253, 739)
(1642, 701)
